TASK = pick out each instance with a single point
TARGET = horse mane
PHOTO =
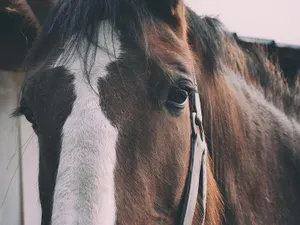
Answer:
(69, 23)
(217, 48)
(272, 80)
(226, 118)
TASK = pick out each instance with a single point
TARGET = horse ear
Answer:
(171, 11)
(40, 8)
(166, 8)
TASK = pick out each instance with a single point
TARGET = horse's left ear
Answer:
(171, 11)
(41, 8)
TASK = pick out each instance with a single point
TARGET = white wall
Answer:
(32, 210)
(270, 19)
(13, 147)
(10, 212)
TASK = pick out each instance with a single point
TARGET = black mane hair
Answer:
(70, 22)
(220, 49)
(210, 34)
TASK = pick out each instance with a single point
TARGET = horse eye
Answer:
(29, 116)
(177, 98)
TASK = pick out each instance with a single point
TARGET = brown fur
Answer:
(168, 49)
(155, 190)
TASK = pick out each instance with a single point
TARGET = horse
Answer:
(122, 93)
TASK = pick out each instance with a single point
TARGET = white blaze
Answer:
(85, 192)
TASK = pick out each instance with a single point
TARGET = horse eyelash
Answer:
(19, 111)
(187, 85)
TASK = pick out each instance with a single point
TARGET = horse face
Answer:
(114, 145)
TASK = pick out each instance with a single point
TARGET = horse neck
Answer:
(246, 137)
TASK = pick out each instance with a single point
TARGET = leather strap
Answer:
(196, 177)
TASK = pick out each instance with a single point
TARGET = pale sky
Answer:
(270, 19)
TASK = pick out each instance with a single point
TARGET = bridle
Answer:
(196, 176)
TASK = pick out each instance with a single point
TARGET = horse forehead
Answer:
(108, 50)
(169, 49)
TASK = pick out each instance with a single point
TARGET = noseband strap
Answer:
(196, 180)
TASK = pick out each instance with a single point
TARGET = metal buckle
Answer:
(194, 123)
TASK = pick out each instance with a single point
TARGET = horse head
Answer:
(112, 95)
